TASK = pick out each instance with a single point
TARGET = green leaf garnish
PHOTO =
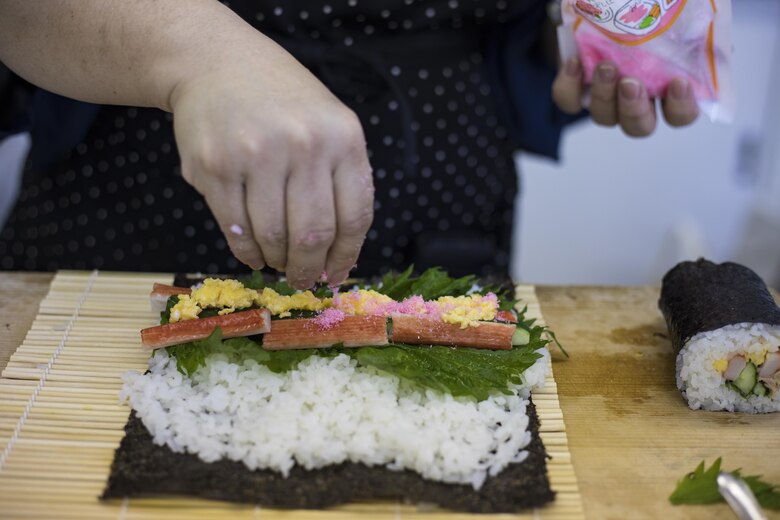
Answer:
(701, 487)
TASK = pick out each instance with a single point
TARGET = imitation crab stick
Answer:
(351, 331)
(244, 323)
(420, 330)
(161, 292)
(507, 316)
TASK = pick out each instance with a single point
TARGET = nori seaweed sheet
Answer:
(702, 296)
(142, 468)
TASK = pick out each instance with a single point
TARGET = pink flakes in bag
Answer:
(656, 41)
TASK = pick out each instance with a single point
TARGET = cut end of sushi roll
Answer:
(735, 368)
(725, 326)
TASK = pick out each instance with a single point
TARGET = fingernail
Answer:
(572, 67)
(337, 280)
(679, 89)
(630, 89)
(236, 229)
(606, 73)
(257, 266)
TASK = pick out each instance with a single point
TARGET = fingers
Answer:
(265, 202)
(679, 105)
(311, 220)
(603, 95)
(354, 197)
(567, 87)
(226, 201)
(636, 111)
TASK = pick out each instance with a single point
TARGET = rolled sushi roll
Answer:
(725, 328)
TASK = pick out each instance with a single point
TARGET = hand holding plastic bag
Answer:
(678, 50)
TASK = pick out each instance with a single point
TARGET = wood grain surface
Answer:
(630, 434)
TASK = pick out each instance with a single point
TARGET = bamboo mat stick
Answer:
(60, 416)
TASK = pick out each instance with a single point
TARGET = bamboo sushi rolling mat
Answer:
(60, 419)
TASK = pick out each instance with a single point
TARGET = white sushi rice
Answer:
(328, 411)
(703, 386)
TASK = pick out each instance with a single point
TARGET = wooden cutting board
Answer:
(630, 433)
(60, 419)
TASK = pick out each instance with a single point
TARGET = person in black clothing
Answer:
(270, 125)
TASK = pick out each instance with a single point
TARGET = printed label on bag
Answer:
(629, 20)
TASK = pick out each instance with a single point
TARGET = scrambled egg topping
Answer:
(226, 295)
(363, 303)
(757, 358)
(467, 311)
(720, 365)
(281, 305)
(186, 309)
(231, 295)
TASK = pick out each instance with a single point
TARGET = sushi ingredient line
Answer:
(45, 374)
(393, 326)
(701, 487)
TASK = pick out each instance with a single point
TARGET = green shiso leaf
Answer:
(698, 487)
(192, 355)
(434, 283)
(284, 360)
(258, 282)
(701, 487)
(456, 371)
(166, 314)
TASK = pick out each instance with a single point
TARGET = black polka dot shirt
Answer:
(412, 71)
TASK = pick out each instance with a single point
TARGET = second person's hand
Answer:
(281, 162)
(616, 100)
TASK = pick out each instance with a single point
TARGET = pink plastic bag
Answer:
(656, 41)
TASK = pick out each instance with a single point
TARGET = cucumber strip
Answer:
(746, 379)
(521, 337)
(759, 389)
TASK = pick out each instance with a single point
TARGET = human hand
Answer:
(281, 162)
(624, 101)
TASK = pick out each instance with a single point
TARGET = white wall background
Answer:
(618, 210)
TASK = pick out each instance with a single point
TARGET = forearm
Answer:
(118, 52)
